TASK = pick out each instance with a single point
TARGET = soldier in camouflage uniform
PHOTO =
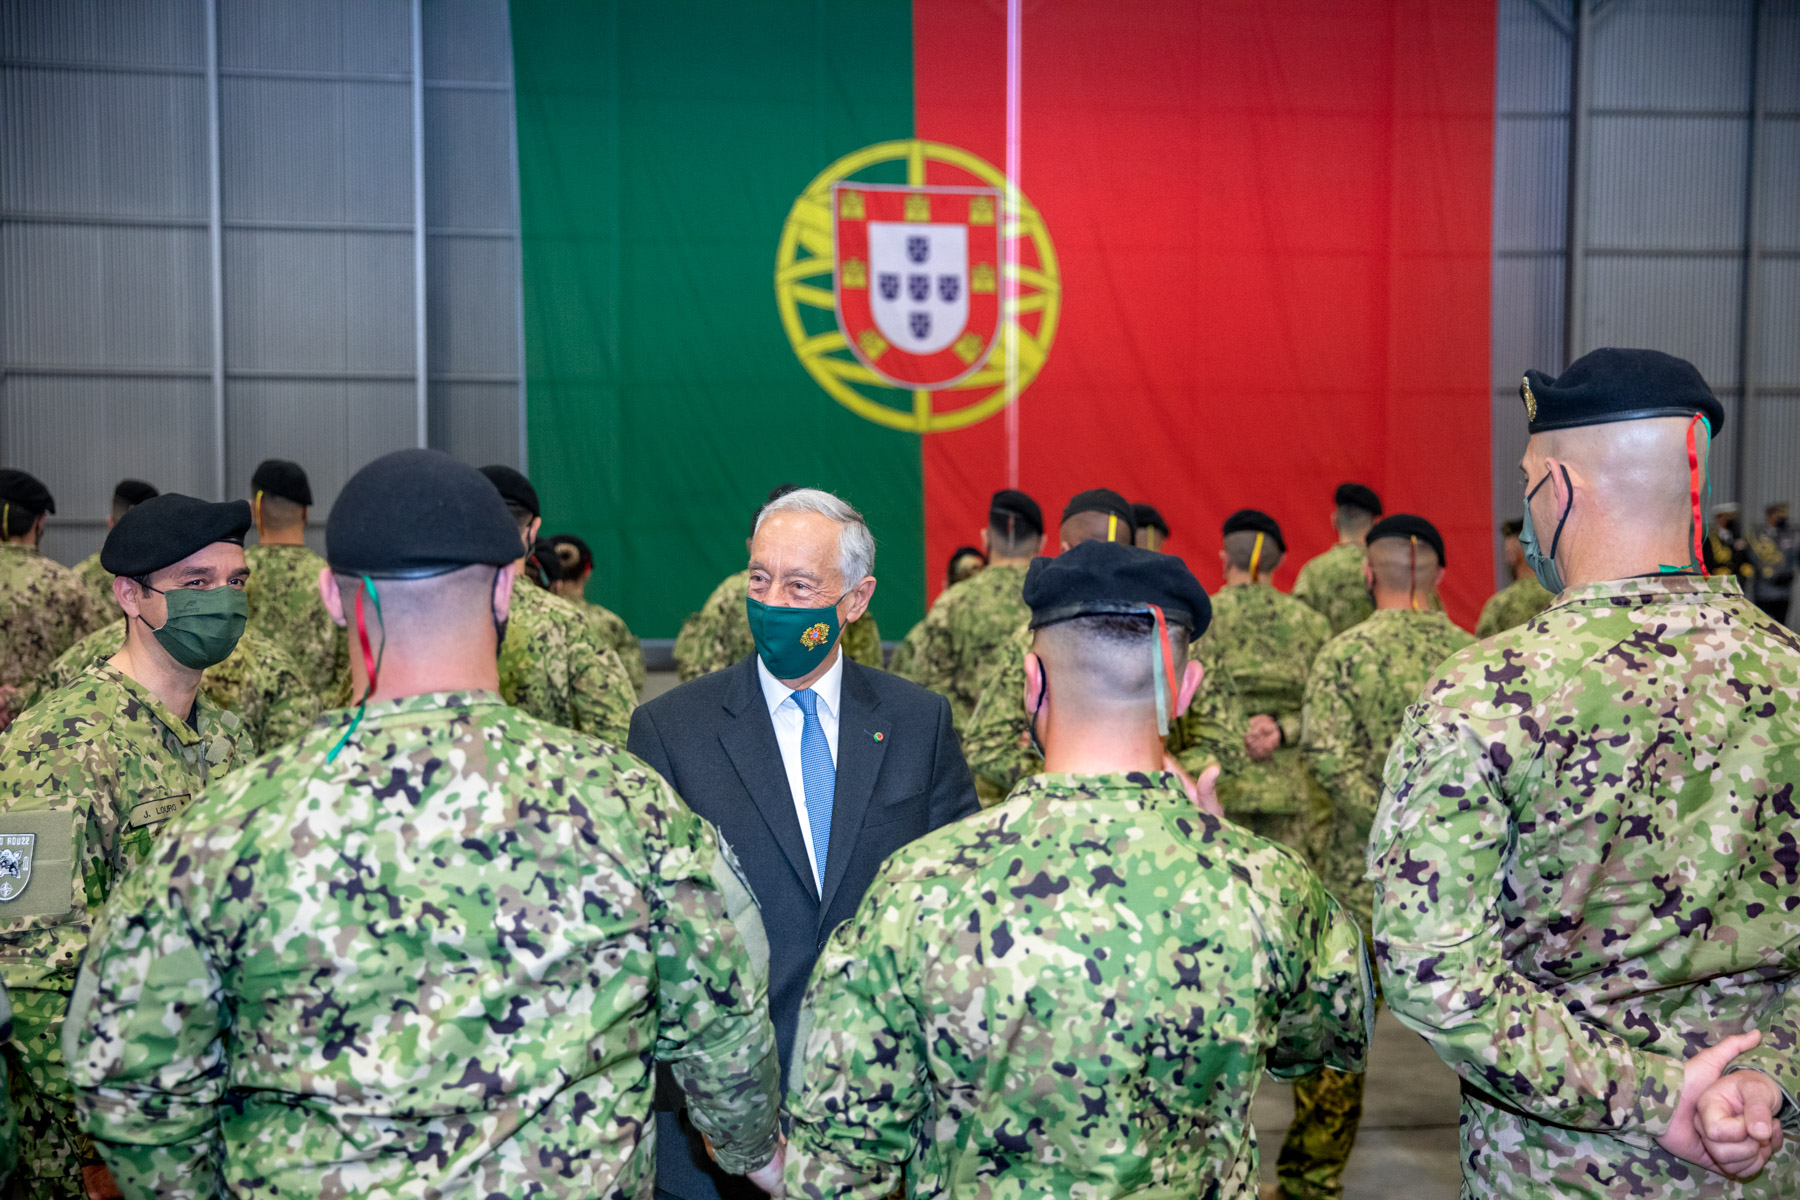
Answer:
(1585, 871)
(578, 569)
(90, 777)
(1074, 994)
(44, 607)
(257, 682)
(1520, 600)
(965, 561)
(1332, 583)
(284, 583)
(1265, 642)
(436, 947)
(552, 664)
(95, 578)
(1359, 688)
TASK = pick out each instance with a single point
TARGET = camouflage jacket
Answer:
(98, 581)
(444, 964)
(44, 609)
(1265, 642)
(283, 593)
(1357, 695)
(966, 632)
(258, 682)
(997, 739)
(907, 652)
(1072, 994)
(1585, 872)
(553, 666)
(88, 779)
(1332, 585)
(612, 632)
(719, 634)
(1512, 605)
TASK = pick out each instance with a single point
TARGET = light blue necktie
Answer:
(818, 775)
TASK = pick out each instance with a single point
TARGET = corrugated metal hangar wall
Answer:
(215, 217)
(236, 229)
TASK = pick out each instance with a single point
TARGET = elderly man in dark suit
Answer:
(814, 768)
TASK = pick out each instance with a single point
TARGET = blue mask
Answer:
(1544, 565)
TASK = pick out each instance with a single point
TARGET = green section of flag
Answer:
(660, 148)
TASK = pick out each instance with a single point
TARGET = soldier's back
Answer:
(98, 581)
(44, 609)
(613, 633)
(1332, 585)
(965, 633)
(1091, 978)
(553, 666)
(1513, 605)
(1616, 777)
(283, 594)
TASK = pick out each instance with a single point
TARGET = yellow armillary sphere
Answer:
(891, 280)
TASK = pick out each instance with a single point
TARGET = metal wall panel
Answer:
(312, 301)
(1685, 306)
(466, 133)
(1779, 214)
(316, 150)
(1531, 202)
(468, 40)
(1532, 70)
(470, 322)
(366, 37)
(477, 422)
(1673, 54)
(1778, 339)
(1669, 183)
(108, 32)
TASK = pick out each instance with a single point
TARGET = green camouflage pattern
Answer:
(965, 634)
(1586, 871)
(283, 594)
(1513, 605)
(553, 666)
(1265, 642)
(902, 662)
(258, 682)
(719, 634)
(445, 963)
(44, 609)
(98, 581)
(105, 764)
(1332, 585)
(997, 739)
(1357, 695)
(1073, 994)
(1327, 1113)
(612, 632)
(9, 1123)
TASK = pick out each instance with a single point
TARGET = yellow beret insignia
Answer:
(815, 635)
(1530, 400)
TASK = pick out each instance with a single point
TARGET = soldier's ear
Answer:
(1191, 676)
(331, 598)
(127, 593)
(1034, 680)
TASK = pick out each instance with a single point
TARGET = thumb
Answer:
(1717, 1057)
(1208, 788)
(1758, 1118)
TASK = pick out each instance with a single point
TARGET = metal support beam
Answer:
(1749, 486)
(512, 150)
(1581, 53)
(421, 417)
(215, 239)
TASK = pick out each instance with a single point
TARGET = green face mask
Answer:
(203, 627)
(792, 642)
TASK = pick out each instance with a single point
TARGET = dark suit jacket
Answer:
(712, 739)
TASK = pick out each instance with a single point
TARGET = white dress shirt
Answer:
(790, 723)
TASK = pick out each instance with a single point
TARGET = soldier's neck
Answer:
(1621, 554)
(149, 665)
(1087, 748)
(29, 542)
(1386, 601)
(412, 674)
(1234, 577)
(295, 536)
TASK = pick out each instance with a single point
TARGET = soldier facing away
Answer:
(578, 569)
(965, 561)
(127, 495)
(91, 776)
(44, 607)
(1074, 993)
(437, 946)
(1587, 895)
(284, 583)
(1520, 600)
(1332, 582)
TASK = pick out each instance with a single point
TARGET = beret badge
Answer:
(1530, 400)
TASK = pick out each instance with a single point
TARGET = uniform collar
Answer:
(1646, 589)
(425, 702)
(1144, 787)
(187, 735)
(18, 548)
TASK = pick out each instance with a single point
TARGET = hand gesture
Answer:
(1735, 1119)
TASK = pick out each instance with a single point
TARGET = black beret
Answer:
(165, 529)
(1355, 495)
(1145, 516)
(1618, 385)
(1250, 520)
(21, 489)
(514, 488)
(1407, 525)
(1107, 503)
(1097, 578)
(1010, 502)
(416, 513)
(1513, 527)
(134, 491)
(279, 477)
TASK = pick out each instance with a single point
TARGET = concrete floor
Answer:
(1407, 1148)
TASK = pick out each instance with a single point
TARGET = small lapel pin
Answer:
(880, 737)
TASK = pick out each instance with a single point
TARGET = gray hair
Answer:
(856, 545)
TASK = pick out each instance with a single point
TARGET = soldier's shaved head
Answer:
(1240, 546)
(1093, 527)
(433, 634)
(1402, 566)
(1103, 665)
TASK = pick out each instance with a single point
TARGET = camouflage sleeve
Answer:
(934, 660)
(9, 1123)
(1488, 623)
(287, 711)
(862, 641)
(1329, 1017)
(686, 650)
(905, 654)
(710, 652)
(631, 650)
(997, 738)
(600, 693)
(1439, 852)
(712, 958)
(1328, 739)
(1213, 727)
(1778, 1056)
(144, 1043)
(860, 1092)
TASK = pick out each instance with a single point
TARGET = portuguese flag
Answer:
(1244, 257)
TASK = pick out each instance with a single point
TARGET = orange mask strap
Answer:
(1693, 450)
(1168, 684)
(1256, 557)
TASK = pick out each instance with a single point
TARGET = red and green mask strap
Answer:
(371, 659)
(1699, 487)
(1168, 683)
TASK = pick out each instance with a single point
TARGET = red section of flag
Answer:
(1273, 221)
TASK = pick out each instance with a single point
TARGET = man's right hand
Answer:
(1262, 738)
(1735, 1118)
(1699, 1074)
(98, 1183)
(768, 1177)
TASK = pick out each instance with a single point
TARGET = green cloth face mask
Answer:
(203, 627)
(792, 642)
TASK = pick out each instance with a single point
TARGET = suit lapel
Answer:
(858, 764)
(749, 741)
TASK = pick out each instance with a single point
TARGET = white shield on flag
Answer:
(919, 274)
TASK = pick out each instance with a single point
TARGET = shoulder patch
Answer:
(37, 863)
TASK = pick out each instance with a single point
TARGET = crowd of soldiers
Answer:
(332, 876)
